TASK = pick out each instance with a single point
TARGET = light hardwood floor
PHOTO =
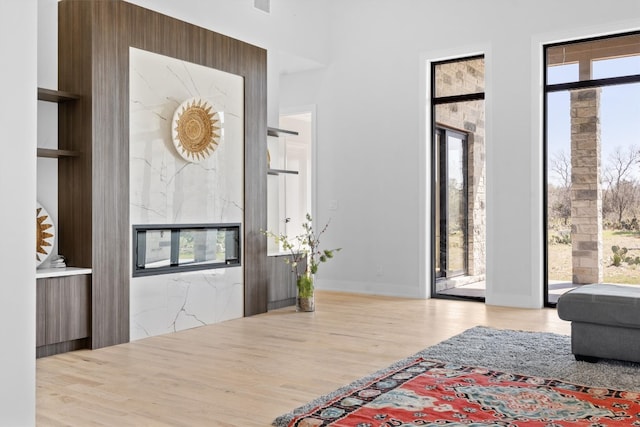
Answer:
(246, 372)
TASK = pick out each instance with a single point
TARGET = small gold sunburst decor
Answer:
(45, 234)
(195, 129)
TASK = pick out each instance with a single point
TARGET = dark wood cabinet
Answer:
(63, 307)
(281, 282)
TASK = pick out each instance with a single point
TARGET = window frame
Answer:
(559, 87)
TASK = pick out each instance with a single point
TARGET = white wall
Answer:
(371, 132)
(18, 44)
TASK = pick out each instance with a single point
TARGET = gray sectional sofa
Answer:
(605, 321)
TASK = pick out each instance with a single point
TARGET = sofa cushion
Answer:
(604, 304)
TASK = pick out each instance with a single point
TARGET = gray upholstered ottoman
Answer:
(605, 321)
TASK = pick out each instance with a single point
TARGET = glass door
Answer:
(458, 178)
(451, 204)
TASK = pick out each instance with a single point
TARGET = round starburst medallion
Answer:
(195, 129)
(45, 234)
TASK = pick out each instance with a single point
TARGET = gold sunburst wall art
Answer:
(196, 129)
(45, 234)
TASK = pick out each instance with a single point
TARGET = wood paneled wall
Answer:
(94, 41)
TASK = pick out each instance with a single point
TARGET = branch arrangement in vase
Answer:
(304, 247)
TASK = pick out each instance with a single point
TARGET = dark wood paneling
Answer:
(110, 214)
(255, 183)
(74, 134)
(96, 36)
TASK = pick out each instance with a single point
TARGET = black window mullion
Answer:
(458, 98)
(610, 81)
(444, 203)
(175, 247)
(141, 248)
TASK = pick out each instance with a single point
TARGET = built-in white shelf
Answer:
(42, 273)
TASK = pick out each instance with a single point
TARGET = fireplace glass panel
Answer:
(157, 251)
(167, 249)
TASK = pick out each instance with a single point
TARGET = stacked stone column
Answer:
(586, 188)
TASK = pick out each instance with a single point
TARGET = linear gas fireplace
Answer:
(164, 249)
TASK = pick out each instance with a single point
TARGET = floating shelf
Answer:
(56, 154)
(52, 95)
(277, 132)
(279, 171)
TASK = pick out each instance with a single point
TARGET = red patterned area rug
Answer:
(423, 392)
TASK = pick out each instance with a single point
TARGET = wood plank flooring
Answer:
(246, 372)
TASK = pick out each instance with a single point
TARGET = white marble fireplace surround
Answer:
(166, 189)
